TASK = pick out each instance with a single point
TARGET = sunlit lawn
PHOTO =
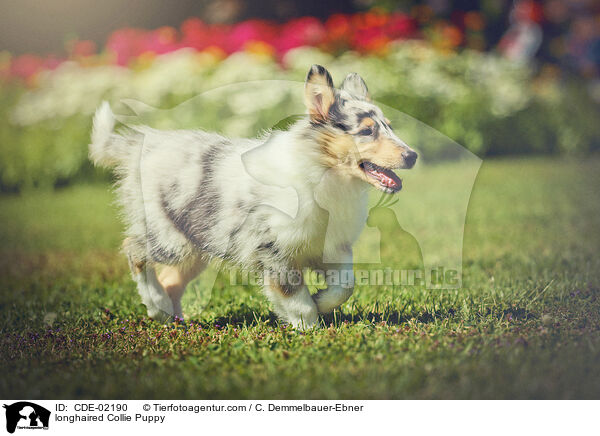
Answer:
(526, 323)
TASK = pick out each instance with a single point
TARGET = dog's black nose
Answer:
(410, 157)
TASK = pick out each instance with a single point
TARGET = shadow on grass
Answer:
(239, 319)
(244, 318)
(391, 318)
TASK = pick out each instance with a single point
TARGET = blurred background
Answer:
(516, 82)
(499, 77)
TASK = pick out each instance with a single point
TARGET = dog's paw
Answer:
(306, 322)
(161, 316)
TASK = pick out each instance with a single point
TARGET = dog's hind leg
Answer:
(156, 300)
(175, 278)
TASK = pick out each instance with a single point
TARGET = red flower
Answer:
(371, 39)
(339, 30)
(218, 37)
(369, 20)
(198, 35)
(195, 34)
(370, 35)
(400, 26)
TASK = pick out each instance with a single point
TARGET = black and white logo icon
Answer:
(26, 415)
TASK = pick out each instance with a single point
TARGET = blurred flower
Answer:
(369, 19)
(445, 36)
(125, 44)
(161, 40)
(338, 29)
(527, 10)
(373, 31)
(370, 39)
(306, 31)
(400, 26)
(250, 31)
(260, 48)
(452, 35)
(195, 34)
(81, 48)
(27, 66)
(369, 32)
(474, 21)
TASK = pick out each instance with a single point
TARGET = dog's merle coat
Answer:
(189, 196)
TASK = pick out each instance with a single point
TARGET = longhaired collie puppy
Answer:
(188, 196)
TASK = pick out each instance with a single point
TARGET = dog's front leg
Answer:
(291, 299)
(340, 284)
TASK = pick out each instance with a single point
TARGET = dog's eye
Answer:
(366, 132)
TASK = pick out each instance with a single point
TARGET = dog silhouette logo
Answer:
(26, 415)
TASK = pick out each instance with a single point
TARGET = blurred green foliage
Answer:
(480, 100)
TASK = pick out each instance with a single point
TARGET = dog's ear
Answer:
(356, 86)
(319, 93)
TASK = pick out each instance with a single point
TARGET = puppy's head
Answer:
(354, 135)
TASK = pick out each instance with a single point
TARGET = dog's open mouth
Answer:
(388, 180)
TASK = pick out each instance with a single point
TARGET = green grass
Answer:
(525, 324)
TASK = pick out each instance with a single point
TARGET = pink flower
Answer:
(303, 31)
(51, 62)
(250, 31)
(161, 40)
(26, 66)
(125, 44)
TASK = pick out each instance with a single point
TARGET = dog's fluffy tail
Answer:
(104, 150)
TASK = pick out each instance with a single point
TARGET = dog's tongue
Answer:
(386, 177)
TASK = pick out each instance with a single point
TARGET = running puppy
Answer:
(187, 197)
